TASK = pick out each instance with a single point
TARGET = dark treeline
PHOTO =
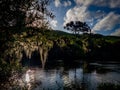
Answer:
(59, 45)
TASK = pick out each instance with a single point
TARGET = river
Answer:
(84, 76)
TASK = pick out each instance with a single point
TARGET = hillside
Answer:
(55, 45)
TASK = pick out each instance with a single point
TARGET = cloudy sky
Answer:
(103, 16)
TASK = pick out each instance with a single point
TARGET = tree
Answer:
(24, 12)
(77, 26)
(37, 16)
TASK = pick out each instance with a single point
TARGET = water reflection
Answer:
(84, 77)
(29, 78)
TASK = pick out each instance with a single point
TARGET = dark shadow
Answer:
(34, 61)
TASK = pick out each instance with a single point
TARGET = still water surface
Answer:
(84, 76)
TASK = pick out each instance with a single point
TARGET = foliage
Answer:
(68, 45)
(108, 86)
(8, 69)
(77, 26)
(24, 13)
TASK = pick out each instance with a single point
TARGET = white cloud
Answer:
(76, 13)
(82, 14)
(103, 3)
(83, 2)
(114, 3)
(57, 3)
(64, 3)
(116, 33)
(98, 20)
(108, 22)
(67, 3)
(53, 23)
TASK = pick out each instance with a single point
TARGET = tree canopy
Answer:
(24, 13)
(77, 26)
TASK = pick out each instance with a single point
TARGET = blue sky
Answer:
(103, 16)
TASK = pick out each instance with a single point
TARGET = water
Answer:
(84, 76)
(62, 77)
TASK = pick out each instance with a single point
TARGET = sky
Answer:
(103, 16)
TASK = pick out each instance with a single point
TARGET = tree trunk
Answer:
(43, 56)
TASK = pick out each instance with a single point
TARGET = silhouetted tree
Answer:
(77, 26)
(24, 12)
